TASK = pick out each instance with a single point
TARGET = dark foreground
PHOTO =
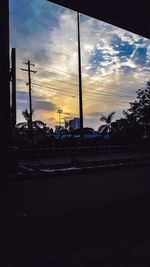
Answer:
(99, 219)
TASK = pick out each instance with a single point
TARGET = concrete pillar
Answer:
(6, 156)
(4, 75)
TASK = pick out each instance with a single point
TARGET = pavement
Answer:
(98, 219)
(89, 218)
(77, 159)
(52, 167)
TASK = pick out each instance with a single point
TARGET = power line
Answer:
(87, 87)
(98, 93)
(85, 92)
(21, 7)
(66, 94)
(56, 89)
(49, 66)
(66, 72)
(100, 84)
(52, 88)
(92, 88)
(66, 82)
(91, 98)
(95, 93)
(64, 75)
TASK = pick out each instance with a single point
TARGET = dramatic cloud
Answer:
(22, 96)
(94, 114)
(44, 105)
(115, 63)
(37, 102)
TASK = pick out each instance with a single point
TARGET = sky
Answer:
(115, 63)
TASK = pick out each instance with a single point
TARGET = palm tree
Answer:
(107, 127)
(40, 127)
(67, 124)
(39, 124)
(26, 115)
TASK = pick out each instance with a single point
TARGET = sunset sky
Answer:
(115, 63)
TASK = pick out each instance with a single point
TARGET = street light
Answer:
(60, 111)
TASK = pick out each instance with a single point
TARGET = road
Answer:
(99, 219)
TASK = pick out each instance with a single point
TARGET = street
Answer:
(81, 220)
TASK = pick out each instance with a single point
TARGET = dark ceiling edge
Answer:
(128, 23)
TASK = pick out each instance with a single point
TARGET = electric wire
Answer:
(98, 94)
(91, 88)
(90, 79)
(21, 7)
(54, 88)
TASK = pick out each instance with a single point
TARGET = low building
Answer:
(74, 123)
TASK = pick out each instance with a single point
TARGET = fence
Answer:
(68, 151)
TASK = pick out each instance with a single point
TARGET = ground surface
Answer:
(99, 219)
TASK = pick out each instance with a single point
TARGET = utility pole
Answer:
(13, 89)
(30, 94)
(80, 76)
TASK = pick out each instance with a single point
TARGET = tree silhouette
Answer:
(139, 112)
(39, 124)
(26, 115)
(67, 125)
(107, 127)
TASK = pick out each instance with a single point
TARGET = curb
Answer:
(33, 175)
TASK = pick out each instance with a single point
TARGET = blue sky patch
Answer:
(96, 59)
(46, 34)
(122, 47)
(140, 56)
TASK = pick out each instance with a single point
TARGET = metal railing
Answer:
(68, 151)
